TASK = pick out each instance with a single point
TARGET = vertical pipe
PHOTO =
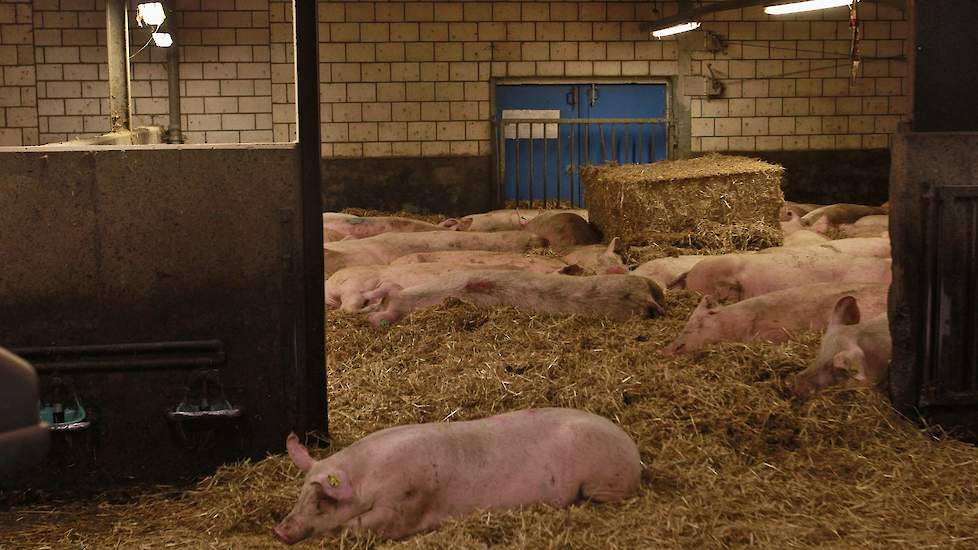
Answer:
(532, 175)
(117, 49)
(310, 314)
(516, 164)
(174, 133)
(546, 165)
(560, 166)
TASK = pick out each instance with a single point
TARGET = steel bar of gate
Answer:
(638, 148)
(576, 156)
(529, 186)
(546, 165)
(516, 166)
(614, 142)
(560, 167)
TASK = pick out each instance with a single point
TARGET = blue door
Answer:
(540, 159)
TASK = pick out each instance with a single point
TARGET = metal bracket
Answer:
(204, 397)
(61, 408)
(713, 42)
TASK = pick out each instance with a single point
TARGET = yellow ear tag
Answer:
(333, 481)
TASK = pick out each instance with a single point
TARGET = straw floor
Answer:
(730, 459)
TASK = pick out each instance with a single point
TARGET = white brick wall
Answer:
(403, 78)
(412, 78)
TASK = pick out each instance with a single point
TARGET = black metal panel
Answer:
(945, 73)
(131, 275)
(950, 346)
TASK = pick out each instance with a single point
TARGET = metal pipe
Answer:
(117, 49)
(174, 133)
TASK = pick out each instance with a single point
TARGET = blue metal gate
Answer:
(546, 132)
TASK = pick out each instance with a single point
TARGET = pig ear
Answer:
(464, 224)
(846, 312)
(612, 246)
(298, 453)
(335, 485)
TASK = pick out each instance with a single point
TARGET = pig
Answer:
(852, 353)
(346, 288)
(772, 317)
(563, 229)
(407, 479)
(487, 260)
(669, 273)
(597, 259)
(822, 219)
(865, 231)
(735, 277)
(501, 220)
(791, 223)
(866, 247)
(387, 247)
(616, 297)
(803, 237)
(796, 209)
(357, 227)
(330, 236)
(877, 219)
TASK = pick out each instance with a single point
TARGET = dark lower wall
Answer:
(823, 177)
(445, 185)
(154, 244)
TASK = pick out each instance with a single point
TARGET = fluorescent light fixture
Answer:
(150, 13)
(676, 29)
(162, 39)
(810, 5)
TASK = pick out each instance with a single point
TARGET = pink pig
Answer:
(486, 260)
(596, 259)
(346, 288)
(669, 272)
(408, 479)
(852, 353)
(359, 227)
(741, 276)
(771, 317)
(510, 219)
(387, 247)
(611, 296)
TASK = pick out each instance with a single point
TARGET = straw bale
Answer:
(709, 201)
(730, 459)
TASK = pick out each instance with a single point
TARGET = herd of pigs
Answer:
(408, 479)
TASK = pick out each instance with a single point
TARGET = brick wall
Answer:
(232, 51)
(18, 93)
(412, 78)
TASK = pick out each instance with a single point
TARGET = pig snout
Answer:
(616, 270)
(290, 533)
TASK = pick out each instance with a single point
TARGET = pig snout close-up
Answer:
(408, 479)
(853, 352)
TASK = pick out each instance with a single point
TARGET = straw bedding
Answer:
(730, 459)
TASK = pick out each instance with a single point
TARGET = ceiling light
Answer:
(676, 29)
(150, 13)
(810, 5)
(162, 39)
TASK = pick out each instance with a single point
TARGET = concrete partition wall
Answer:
(157, 244)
